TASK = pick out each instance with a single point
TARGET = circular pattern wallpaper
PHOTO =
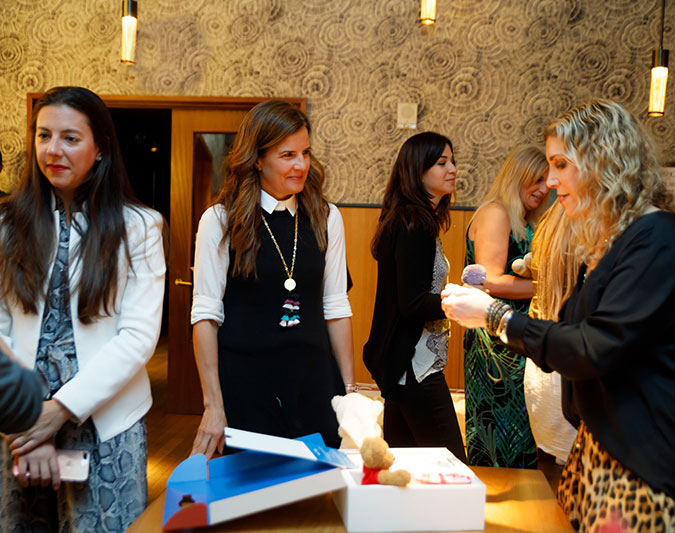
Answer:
(489, 75)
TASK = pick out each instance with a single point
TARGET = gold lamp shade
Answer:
(428, 12)
(657, 88)
(129, 23)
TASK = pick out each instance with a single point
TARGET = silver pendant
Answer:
(289, 284)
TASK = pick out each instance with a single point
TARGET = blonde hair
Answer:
(554, 265)
(619, 176)
(522, 168)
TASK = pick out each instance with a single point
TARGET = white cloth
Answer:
(212, 260)
(111, 385)
(552, 432)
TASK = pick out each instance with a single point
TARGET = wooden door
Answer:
(191, 168)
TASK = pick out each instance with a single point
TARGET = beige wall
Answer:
(491, 74)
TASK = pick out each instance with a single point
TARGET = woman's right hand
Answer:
(211, 433)
(38, 467)
(465, 305)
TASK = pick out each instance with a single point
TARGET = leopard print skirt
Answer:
(598, 494)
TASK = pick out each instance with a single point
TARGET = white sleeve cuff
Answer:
(207, 308)
(336, 306)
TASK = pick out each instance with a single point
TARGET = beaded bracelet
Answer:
(490, 314)
(493, 316)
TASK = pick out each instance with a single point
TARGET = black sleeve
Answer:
(20, 396)
(634, 307)
(414, 253)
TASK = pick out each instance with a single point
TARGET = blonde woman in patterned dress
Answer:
(497, 426)
(82, 284)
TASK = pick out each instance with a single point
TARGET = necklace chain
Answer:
(289, 273)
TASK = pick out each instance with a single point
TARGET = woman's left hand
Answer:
(38, 467)
(465, 305)
(53, 416)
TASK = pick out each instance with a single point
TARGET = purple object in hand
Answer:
(474, 275)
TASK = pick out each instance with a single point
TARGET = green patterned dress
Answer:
(497, 426)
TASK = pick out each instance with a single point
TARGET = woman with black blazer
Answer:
(408, 345)
(614, 343)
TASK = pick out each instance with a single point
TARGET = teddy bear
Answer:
(359, 417)
(522, 266)
(376, 462)
(360, 426)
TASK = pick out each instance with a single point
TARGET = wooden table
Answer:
(517, 500)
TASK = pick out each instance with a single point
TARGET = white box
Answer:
(420, 506)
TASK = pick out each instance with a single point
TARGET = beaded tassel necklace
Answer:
(291, 307)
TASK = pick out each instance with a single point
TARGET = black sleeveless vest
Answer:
(253, 307)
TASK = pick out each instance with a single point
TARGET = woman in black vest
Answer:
(272, 326)
(408, 345)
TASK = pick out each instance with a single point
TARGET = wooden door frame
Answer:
(149, 101)
(134, 101)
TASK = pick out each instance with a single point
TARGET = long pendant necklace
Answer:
(291, 308)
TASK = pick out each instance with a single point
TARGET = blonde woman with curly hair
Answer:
(614, 343)
(272, 327)
(497, 426)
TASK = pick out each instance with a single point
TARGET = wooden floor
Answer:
(170, 436)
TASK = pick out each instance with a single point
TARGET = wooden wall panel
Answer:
(360, 224)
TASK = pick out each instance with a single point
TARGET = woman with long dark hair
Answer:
(82, 283)
(408, 345)
(272, 322)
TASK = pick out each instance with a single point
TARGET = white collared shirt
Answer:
(212, 261)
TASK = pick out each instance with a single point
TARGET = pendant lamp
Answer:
(657, 88)
(428, 12)
(129, 22)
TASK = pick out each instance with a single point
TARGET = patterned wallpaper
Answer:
(490, 74)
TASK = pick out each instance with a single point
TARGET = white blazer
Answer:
(111, 384)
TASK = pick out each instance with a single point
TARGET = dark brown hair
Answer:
(405, 198)
(27, 233)
(266, 125)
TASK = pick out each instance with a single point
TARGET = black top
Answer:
(274, 380)
(403, 303)
(253, 307)
(615, 348)
(20, 396)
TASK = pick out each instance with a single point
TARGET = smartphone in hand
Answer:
(73, 464)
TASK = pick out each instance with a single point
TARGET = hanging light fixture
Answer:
(129, 22)
(428, 12)
(657, 88)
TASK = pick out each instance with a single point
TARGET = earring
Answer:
(99, 157)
